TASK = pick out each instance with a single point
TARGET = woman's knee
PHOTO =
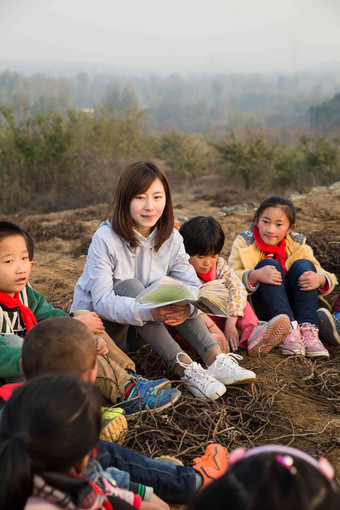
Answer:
(128, 288)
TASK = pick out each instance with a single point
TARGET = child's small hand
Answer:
(270, 275)
(101, 346)
(171, 314)
(93, 322)
(311, 281)
(231, 333)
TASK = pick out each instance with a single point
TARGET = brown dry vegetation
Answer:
(294, 401)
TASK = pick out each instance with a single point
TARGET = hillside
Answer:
(294, 401)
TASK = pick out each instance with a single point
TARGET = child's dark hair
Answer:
(269, 481)
(8, 229)
(47, 425)
(61, 345)
(202, 235)
(276, 201)
(136, 179)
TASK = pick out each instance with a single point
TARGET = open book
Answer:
(211, 297)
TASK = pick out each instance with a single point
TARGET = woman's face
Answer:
(148, 207)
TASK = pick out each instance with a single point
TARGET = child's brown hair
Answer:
(61, 345)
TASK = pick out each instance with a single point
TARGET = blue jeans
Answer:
(270, 300)
(172, 483)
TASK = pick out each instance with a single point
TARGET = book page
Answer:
(164, 293)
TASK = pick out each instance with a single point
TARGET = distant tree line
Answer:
(56, 160)
(189, 104)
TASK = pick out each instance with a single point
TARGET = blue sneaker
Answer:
(143, 398)
(163, 384)
(329, 326)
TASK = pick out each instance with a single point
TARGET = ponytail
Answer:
(16, 480)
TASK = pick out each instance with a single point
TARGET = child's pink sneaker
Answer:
(311, 341)
(267, 335)
(293, 344)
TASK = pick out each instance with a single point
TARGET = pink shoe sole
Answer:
(275, 334)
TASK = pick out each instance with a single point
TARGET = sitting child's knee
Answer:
(269, 262)
(302, 265)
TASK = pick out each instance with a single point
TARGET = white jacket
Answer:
(111, 259)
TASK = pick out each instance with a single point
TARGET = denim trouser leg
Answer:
(156, 335)
(171, 483)
(304, 302)
(288, 298)
(271, 300)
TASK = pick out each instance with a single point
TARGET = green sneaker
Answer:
(114, 424)
(169, 460)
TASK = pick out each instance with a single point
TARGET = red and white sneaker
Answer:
(293, 344)
(311, 341)
(267, 335)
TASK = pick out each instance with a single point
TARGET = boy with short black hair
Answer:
(203, 240)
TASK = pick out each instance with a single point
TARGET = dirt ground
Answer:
(294, 401)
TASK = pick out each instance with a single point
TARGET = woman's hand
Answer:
(171, 315)
(311, 281)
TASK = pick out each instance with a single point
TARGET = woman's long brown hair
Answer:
(135, 180)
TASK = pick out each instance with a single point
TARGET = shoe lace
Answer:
(195, 370)
(312, 333)
(294, 335)
(228, 359)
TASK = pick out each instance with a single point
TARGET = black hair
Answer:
(8, 229)
(47, 425)
(261, 482)
(202, 235)
(276, 201)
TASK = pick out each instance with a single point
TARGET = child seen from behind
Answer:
(272, 477)
(203, 240)
(282, 275)
(47, 430)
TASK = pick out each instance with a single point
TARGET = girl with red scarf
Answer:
(282, 274)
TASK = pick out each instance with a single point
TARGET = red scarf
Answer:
(273, 252)
(209, 276)
(14, 302)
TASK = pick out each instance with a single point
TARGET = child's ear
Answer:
(291, 228)
(90, 375)
(32, 265)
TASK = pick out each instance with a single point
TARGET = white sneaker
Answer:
(201, 383)
(227, 370)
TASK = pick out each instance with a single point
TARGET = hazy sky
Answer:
(234, 35)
